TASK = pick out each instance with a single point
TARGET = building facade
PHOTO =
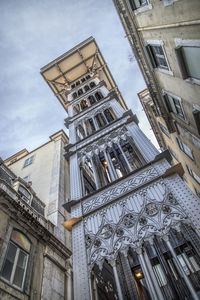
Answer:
(46, 169)
(165, 38)
(135, 224)
(34, 263)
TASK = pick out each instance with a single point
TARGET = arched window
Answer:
(100, 120)
(73, 86)
(83, 79)
(16, 259)
(80, 132)
(77, 83)
(86, 88)
(74, 95)
(109, 114)
(91, 99)
(90, 126)
(92, 84)
(88, 77)
(80, 92)
(88, 181)
(76, 109)
(83, 104)
(98, 96)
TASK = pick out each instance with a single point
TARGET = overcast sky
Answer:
(32, 33)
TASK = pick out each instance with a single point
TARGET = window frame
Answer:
(19, 249)
(180, 43)
(29, 160)
(191, 173)
(172, 107)
(149, 44)
(164, 129)
(142, 8)
(183, 148)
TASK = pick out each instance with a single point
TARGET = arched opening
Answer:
(86, 88)
(91, 99)
(90, 126)
(98, 96)
(87, 175)
(117, 161)
(74, 95)
(101, 121)
(80, 132)
(76, 109)
(83, 79)
(87, 76)
(83, 104)
(109, 114)
(132, 154)
(73, 86)
(92, 84)
(80, 92)
(77, 83)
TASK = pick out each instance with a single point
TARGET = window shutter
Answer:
(196, 114)
(132, 4)
(181, 62)
(151, 56)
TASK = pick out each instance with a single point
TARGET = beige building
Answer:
(46, 169)
(165, 38)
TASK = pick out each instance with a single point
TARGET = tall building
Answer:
(135, 224)
(165, 38)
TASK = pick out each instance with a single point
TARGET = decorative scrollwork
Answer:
(97, 243)
(129, 220)
(151, 209)
(166, 209)
(107, 231)
(171, 199)
(142, 221)
(119, 232)
(88, 241)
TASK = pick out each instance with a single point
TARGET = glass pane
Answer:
(191, 57)
(9, 261)
(20, 269)
(21, 240)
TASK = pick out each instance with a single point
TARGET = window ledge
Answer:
(193, 80)
(169, 2)
(142, 9)
(165, 71)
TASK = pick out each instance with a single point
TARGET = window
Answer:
(157, 56)
(135, 4)
(73, 86)
(188, 54)
(28, 161)
(109, 115)
(77, 83)
(174, 105)
(91, 99)
(100, 120)
(86, 88)
(88, 77)
(83, 104)
(80, 92)
(92, 84)
(193, 174)
(16, 259)
(164, 129)
(185, 148)
(74, 95)
(98, 96)
(83, 79)
(196, 115)
(25, 195)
